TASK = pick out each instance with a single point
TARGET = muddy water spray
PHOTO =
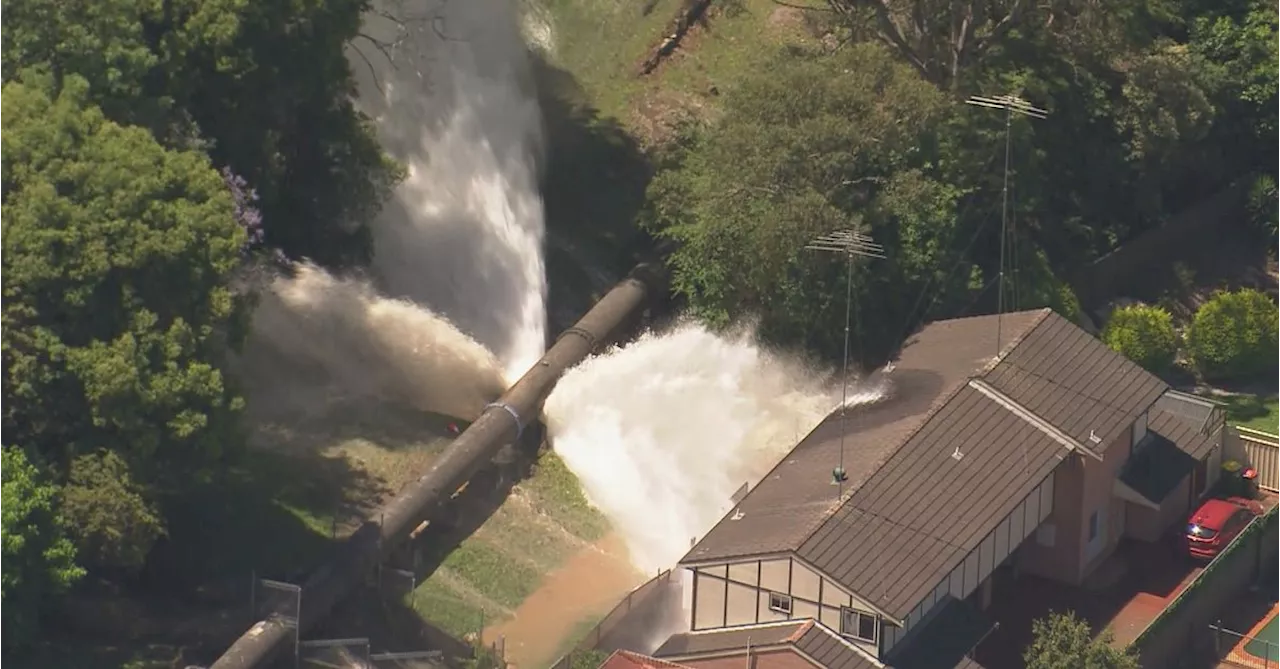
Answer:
(662, 432)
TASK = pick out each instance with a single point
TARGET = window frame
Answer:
(781, 603)
(854, 631)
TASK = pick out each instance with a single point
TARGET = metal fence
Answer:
(1263, 452)
(423, 659)
(1240, 650)
(635, 601)
(334, 654)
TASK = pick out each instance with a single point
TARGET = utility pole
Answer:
(850, 244)
(1011, 105)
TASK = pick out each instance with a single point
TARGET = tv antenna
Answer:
(1011, 105)
(850, 244)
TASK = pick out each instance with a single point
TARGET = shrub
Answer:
(1143, 334)
(1233, 336)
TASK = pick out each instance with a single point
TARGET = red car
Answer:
(1212, 527)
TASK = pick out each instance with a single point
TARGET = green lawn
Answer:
(487, 577)
(602, 43)
(1256, 412)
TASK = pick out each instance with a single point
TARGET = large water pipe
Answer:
(501, 423)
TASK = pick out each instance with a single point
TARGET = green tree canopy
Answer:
(1063, 641)
(115, 525)
(807, 145)
(1144, 334)
(39, 560)
(263, 87)
(117, 256)
(1234, 336)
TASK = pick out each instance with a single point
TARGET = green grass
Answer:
(449, 610)
(494, 570)
(602, 43)
(1256, 412)
(523, 536)
(555, 492)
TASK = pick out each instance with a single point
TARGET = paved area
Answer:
(1126, 593)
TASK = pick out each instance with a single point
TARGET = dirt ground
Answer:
(583, 590)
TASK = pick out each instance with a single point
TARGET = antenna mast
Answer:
(1011, 105)
(849, 244)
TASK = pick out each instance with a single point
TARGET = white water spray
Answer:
(449, 85)
(460, 244)
(662, 432)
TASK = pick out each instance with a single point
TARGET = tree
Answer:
(1143, 334)
(808, 144)
(115, 525)
(1063, 641)
(263, 87)
(1233, 336)
(943, 38)
(117, 255)
(39, 560)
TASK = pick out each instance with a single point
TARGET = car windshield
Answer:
(1199, 532)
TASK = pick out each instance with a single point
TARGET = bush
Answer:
(1233, 336)
(1143, 334)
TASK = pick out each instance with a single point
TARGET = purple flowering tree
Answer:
(246, 211)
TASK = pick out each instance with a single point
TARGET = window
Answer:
(1093, 526)
(859, 625)
(780, 603)
(1139, 430)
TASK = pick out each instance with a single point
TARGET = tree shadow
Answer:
(593, 189)
(266, 515)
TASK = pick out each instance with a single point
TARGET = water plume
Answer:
(449, 86)
(315, 330)
(663, 431)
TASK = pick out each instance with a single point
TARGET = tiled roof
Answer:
(905, 529)
(625, 659)
(1070, 379)
(794, 499)
(1181, 430)
(810, 638)
(911, 512)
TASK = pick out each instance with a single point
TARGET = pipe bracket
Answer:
(514, 415)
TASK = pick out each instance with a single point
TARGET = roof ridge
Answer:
(1017, 341)
(928, 416)
(646, 659)
(800, 631)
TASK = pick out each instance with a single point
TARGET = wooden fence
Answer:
(1262, 450)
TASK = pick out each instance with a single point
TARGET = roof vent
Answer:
(1093, 437)
(957, 455)
(737, 514)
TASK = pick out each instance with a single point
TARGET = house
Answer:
(1005, 444)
